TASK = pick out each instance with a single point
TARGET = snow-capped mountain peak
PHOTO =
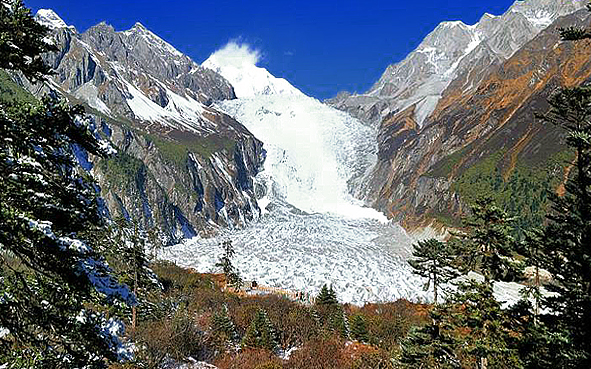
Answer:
(49, 18)
(237, 64)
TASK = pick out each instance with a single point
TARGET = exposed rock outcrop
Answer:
(181, 164)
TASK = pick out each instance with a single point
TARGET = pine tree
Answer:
(469, 330)
(233, 278)
(51, 268)
(223, 325)
(327, 296)
(260, 333)
(359, 330)
(487, 245)
(567, 237)
(433, 260)
(22, 41)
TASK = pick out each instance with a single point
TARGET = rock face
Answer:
(181, 164)
(451, 50)
(483, 137)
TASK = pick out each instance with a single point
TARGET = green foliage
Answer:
(176, 151)
(524, 192)
(260, 333)
(222, 324)
(22, 41)
(487, 245)
(433, 260)
(122, 170)
(327, 296)
(566, 239)
(233, 278)
(469, 330)
(11, 93)
(48, 213)
(359, 330)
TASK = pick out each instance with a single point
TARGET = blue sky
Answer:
(321, 47)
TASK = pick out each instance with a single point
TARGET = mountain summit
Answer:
(237, 63)
(450, 50)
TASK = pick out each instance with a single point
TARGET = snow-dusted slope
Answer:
(451, 49)
(313, 231)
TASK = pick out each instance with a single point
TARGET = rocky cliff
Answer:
(181, 165)
(482, 139)
(451, 50)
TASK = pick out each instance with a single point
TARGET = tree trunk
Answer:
(483, 363)
(435, 288)
(134, 307)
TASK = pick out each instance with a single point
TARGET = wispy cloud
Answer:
(236, 53)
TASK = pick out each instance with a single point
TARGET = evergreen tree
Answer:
(575, 33)
(129, 258)
(567, 237)
(359, 330)
(51, 269)
(223, 325)
(22, 41)
(260, 333)
(327, 296)
(487, 245)
(233, 278)
(469, 330)
(434, 260)
(50, 263)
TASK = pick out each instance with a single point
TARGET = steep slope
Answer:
(181, 164)
(485, 139)
(451, 50)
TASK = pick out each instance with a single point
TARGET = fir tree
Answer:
(567, 237)
(260, 333)
(487, 245)
(223, 325)
(469, 330)
(233, 278)
(327, 296)
(434, 260)
(358, 328)
(51, 267)
(22, 41)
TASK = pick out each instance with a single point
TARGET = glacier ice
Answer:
(312, 230)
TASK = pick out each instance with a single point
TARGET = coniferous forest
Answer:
(80, 289)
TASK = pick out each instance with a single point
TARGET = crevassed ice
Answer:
(312, 230)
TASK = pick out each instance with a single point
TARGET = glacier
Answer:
(312, 230)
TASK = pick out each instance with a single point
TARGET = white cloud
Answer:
(236, 54)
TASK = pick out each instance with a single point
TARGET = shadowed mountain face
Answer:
(181, 164)
(482, 135)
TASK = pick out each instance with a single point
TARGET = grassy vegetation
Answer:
(445, 166)
(523, 193)
(188, 325)
(11, 93)
(121, 170)
(176, 151)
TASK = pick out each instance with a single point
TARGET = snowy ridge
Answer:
(453, 46)
(49, 18)
(237, 63)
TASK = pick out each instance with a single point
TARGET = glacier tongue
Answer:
(312, 231)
